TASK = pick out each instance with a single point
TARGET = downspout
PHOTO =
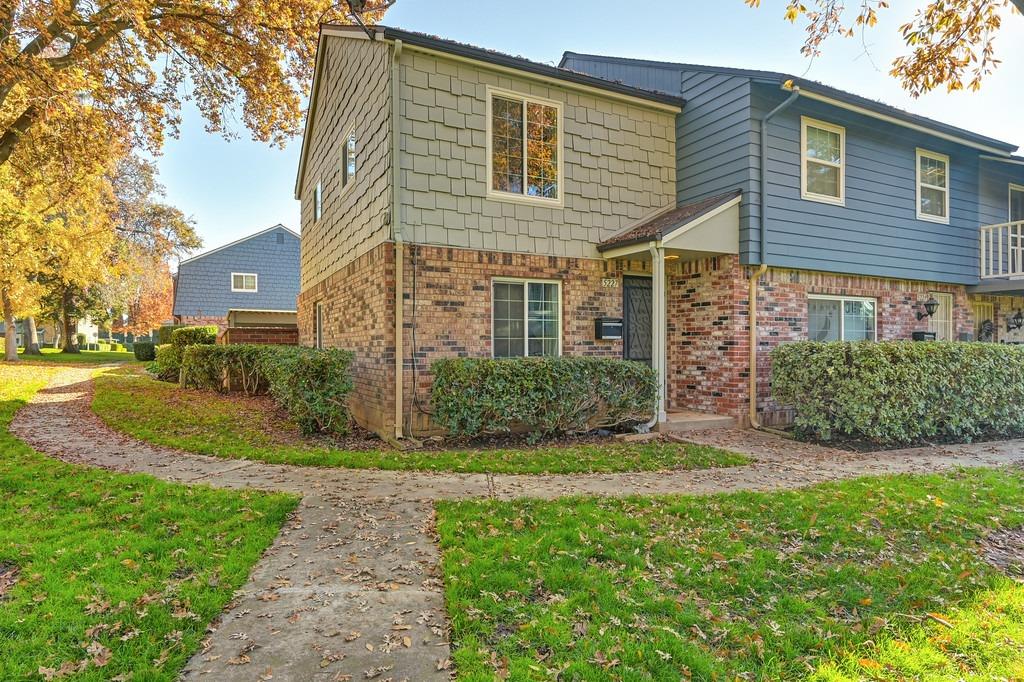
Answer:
(396, 233)
(657, 331)
(763, 260)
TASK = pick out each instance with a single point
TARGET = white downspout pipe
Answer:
(396, 232)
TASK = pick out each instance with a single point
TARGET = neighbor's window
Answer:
(243, 281)
(823, 160)
(524, 141)
(942, 321)
(318, 325)
(932, 186)
(348, 159)
(318, 203)
(526, 318)
(837, 318)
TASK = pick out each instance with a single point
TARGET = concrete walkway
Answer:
(351, 588)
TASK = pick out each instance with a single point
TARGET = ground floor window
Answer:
(841, 318)
(942, 321)
(984, 321)
(318, 325)
(526, 318)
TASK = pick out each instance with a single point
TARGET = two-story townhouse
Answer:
(453, 202)
(854, 216)
(251, 283)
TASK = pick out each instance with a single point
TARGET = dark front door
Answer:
(636, 319)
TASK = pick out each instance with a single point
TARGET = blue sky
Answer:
(234, 188)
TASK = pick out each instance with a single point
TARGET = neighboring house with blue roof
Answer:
(250, 282)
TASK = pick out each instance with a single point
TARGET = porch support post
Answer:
(658, 308)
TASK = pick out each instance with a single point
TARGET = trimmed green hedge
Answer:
(191, 336)
(899, 392)
(144, 350)
(311, 385)
(475, 396)
(167, 362)
(163, 334)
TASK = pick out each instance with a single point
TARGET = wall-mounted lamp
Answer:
(930, 306)
(1015, 322)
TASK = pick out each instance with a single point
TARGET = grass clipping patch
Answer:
(873, 578)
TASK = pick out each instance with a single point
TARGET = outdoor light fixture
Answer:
(930, 306)
(1015, 322)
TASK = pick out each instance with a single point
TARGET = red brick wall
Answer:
(358, 313)
(282, 336)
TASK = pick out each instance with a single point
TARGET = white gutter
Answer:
(1002, 159)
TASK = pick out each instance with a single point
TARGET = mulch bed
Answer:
(8, 577)
(1004, 549)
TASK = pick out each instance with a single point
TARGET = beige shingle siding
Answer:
(355, 90)
(619, 163)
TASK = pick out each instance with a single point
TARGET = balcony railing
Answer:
(1002, 251)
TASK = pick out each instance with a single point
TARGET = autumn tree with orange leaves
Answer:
(951, 43)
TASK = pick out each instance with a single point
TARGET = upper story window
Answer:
(348, 159)
(841, 318)
(318, 201)
(524, 156)
(932, 186)
(1016, 203)
(243, 281)
(526, 318)
(823, 161)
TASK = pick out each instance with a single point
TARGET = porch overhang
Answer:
(704, 228)
(998, 287)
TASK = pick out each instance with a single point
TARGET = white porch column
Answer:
(658, 320)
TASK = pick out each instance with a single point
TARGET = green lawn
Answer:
(85, 357)
(237, 427)
(117, 575)
(870, 579)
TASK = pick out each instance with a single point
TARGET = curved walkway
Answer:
(352, 585)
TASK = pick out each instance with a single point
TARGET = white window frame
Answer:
(842, 313)
(243, 275)
(524, 197)
(1009, 200)
(941, 296)
(526, 281)
(318, 201)
(318, 325)
(805, 122)
(935, 156)
(346, 181)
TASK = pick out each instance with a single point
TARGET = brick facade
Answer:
(282, 336)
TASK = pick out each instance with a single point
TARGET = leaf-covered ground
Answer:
(243, 428)
(116, 575)
(876, 578)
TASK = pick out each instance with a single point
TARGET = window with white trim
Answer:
(318, 201)
(822, 161)
(243, 281)
(1016, 203)
(841, 318)
(526, 318)
(942, 321)
(318, 325)
(932, 186)
(524, 155)
(348, 159)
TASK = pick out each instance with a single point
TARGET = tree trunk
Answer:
(31, 337)
(10, 340)
(70, 332)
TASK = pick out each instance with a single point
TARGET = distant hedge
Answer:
(190, 336)
(311, 385)
(475, 396)
(163, 334)
(168, 357)
(899, 392)
(144, 350)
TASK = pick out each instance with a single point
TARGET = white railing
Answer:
(1002, 250)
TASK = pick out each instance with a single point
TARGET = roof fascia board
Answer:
(239, 241)
(259, 310)
(1002, 159)
(314, 90)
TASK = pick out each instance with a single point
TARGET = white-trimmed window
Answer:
(318, 201)
(841, 318)
(243, 281)
(822, 161)
(348, 159)
(932, 186)
(524, 147)
(526, 318)
(942, 321)
(318, 324)
(1016, 203)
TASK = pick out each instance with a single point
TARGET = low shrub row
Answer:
(474, 396)
(168, 356)
(311, 385)
(899, 392)
(144, 350)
